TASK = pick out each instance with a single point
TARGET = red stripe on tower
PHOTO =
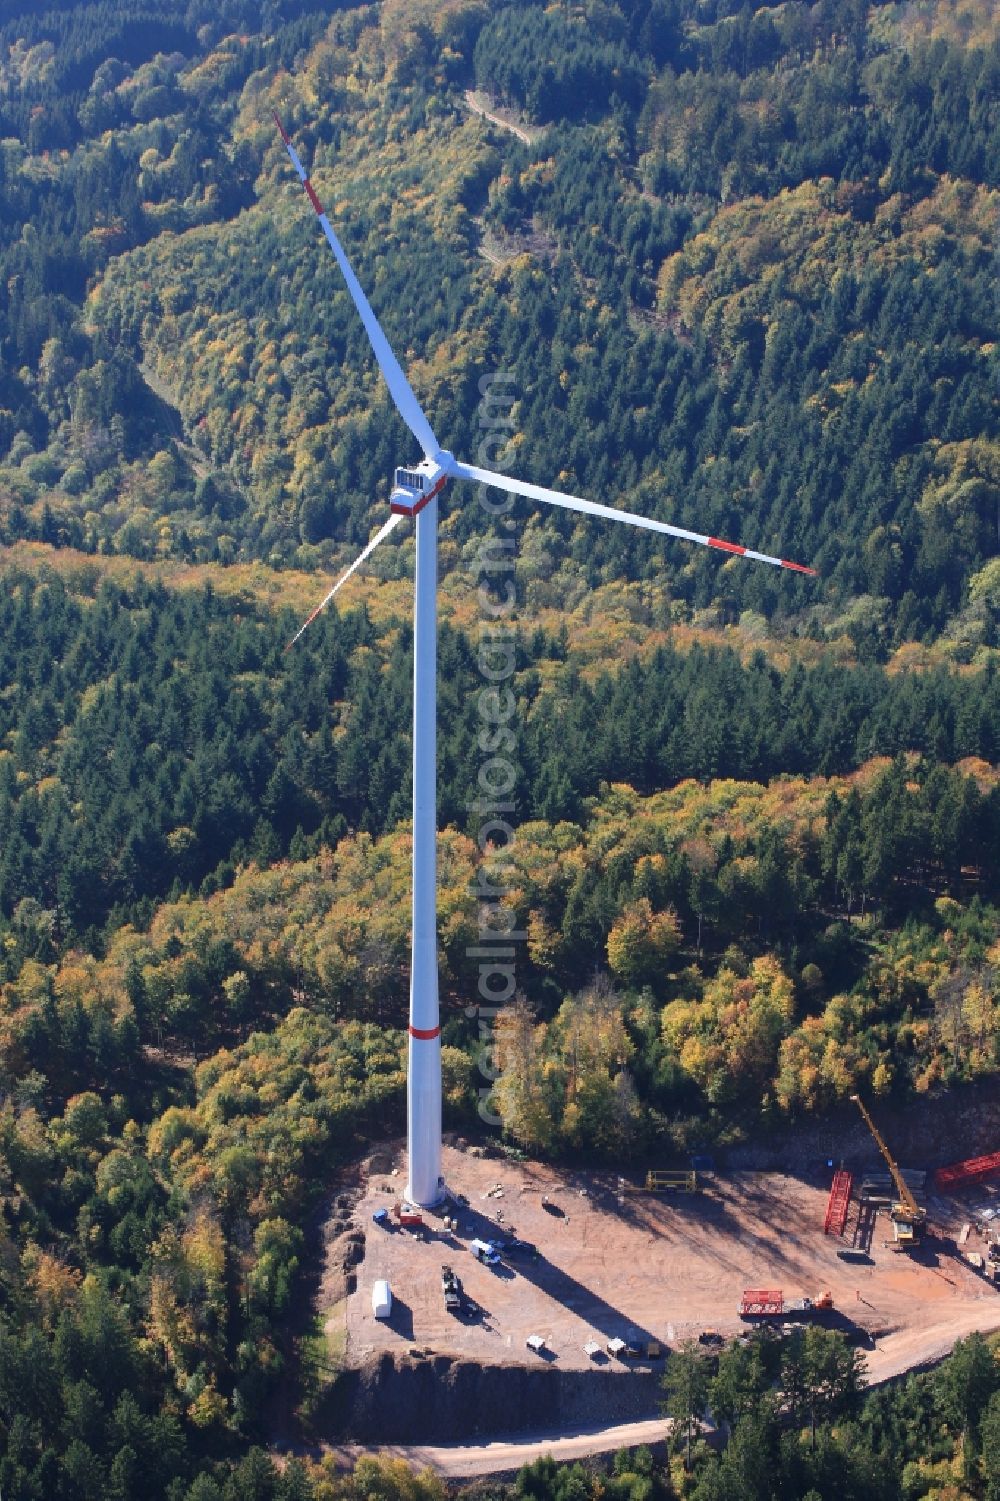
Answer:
(312, 196)
(727, 546)
(423, 1036)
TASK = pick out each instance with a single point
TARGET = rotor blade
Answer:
(610, 513)
(379, 536)
(400, 390)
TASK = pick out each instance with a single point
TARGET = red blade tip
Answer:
(281, 128)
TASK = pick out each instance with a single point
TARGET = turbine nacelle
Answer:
(417, 485)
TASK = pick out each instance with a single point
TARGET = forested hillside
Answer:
(766, 307)
(739, 268)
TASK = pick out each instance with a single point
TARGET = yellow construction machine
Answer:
(907, 1215)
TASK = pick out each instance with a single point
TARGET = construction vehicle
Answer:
(906, 1214)
(408, 1217)
(517, 1247)
(809, 1305)
(451, 1287)
(770, 1302)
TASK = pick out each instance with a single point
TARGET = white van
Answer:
(381, 1299)
(484, 1250)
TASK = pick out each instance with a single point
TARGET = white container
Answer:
(381, 1299)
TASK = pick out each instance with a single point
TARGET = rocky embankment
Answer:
(411, 1398)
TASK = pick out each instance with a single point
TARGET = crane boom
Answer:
(910, 1209)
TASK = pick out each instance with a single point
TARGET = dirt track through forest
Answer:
(476, 104)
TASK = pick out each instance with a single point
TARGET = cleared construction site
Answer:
(600, 1275)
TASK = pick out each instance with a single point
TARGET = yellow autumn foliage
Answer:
(54, 1284)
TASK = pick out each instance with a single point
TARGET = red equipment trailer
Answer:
(769, 1302)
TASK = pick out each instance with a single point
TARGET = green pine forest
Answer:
(728, 265)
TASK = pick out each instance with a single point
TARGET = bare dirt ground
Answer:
(667, 1266)
(612, 1260)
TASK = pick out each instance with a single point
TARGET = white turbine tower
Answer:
(415, 495)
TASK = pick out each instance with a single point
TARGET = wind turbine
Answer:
(414, 495)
